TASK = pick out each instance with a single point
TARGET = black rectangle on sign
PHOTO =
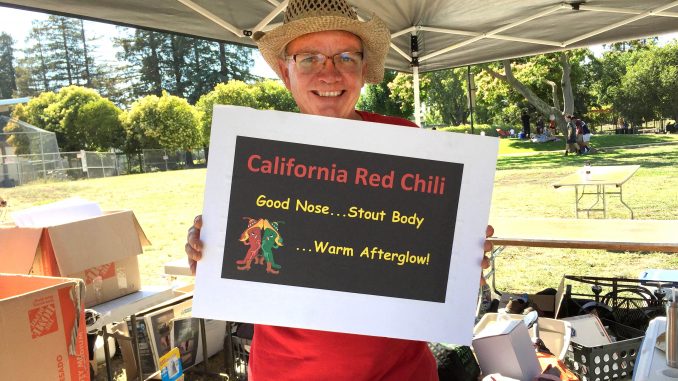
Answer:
(336, 219)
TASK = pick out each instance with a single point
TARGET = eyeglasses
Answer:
(312, 63)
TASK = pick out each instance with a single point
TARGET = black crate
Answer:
(614, 361)
(624, 301)
(241, 356)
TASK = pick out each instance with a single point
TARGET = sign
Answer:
(342, 225)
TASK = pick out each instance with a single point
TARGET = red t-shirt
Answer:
(281, 354)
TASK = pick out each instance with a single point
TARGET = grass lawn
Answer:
(517, 146)
(166, 202)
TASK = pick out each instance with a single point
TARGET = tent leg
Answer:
(417, 102)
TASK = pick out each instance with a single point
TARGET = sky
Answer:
(17, 23)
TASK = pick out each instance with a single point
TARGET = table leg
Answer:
(576, 200)
(622, 201)
(107, 354)
(135, 345)
(604, 202)
(203, 337)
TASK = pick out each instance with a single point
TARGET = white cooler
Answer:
(651, 361)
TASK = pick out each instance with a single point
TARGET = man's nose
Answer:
(329, 69)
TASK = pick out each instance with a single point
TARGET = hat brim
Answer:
(374, 34)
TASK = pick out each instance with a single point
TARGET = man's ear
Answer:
(284, 72)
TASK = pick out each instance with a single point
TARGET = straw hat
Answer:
(308, 16)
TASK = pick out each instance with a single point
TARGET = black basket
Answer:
(621, 300)
(614, 361)
(241, 357)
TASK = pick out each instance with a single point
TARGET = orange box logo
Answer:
(43, 320)
(105, 271)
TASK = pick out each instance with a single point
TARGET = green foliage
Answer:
(647, 89)
(20, 142)
(166, 122)
(377, 98)
(7, 72)
(235, 93)
(402, 93)
(80, 117)
(447, 95)
(58, 54)
(272, 95)
(184, 66)
(34, 112)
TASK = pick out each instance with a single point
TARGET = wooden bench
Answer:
(605, 234)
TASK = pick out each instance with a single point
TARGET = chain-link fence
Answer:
(155, 160)
(22, 169)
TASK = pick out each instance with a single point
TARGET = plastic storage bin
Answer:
(614, 361)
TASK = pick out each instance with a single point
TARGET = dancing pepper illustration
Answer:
(260, 235)
(271, 239)
(251, 237)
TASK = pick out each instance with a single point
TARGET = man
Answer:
(571, 143)
(525, 118)
(324, 55)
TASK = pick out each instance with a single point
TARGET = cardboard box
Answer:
(548, 305)
(556, 334)
(102, 251)
(506, 348)
(42, 326)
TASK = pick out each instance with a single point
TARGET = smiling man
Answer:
(325, 55)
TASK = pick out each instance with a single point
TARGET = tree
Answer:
(236, 93)
(7, 73)
(183, 66)
(34, 112)
(167, 122)
(377, 98)
(32, 73)
(272, 95)
(58, 54)
(648, 88)
(446, 95)
(531, 94)
(80, 118)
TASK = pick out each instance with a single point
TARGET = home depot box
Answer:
(101, 250)
(42, 326)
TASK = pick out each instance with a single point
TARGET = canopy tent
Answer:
(443, 33)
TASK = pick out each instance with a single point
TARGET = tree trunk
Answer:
(223, 70)
(68, 56)
(155, 75)
(43, 64)
(177, 64)
(88, 78)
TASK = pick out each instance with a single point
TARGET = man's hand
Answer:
(193, 245)
(487, 247)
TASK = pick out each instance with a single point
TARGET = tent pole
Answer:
(414, 45)
(471, 89)
(417, 102)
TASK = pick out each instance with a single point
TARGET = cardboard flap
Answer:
(142, 236)
(85, 244)
(18, 248)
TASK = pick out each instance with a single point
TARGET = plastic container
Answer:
(555, 334)
(651, 361)
(614, 361)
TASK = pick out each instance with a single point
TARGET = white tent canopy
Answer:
(449, 33)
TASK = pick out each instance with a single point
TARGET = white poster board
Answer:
(344, 226)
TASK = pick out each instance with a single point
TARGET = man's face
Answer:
(328, 92)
